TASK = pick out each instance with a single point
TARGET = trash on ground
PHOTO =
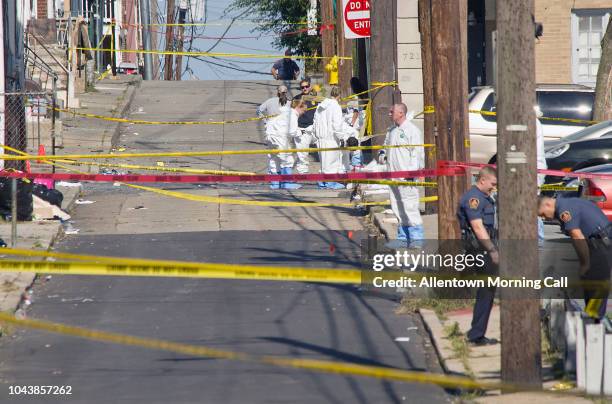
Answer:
(83, 202)
(68, 184)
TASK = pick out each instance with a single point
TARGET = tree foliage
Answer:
(284, 18)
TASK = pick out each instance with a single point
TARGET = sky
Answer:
(247, 42)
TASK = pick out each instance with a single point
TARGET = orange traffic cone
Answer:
(41, 151)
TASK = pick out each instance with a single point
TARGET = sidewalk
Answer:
(112, 97)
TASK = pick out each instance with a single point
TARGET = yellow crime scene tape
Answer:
(378, 86)
(163, 269)
(142, 267)
(557, 188)
(545, 118)
(231, 201)
(343, 368)
(430, 109)
(201, 153)
(161, 168)
(425, 184)
(210, 54)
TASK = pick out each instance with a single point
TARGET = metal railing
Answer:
(34, 61)
(35, 64)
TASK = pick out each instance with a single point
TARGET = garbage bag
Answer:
(24, 199)
(53, 196)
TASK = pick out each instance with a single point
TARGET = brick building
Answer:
(568, 52)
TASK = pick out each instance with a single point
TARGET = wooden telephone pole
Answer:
(517, 169)
(428, 93)
(449, 60)
(327, 33)
(168, 59)
(344, 48)
(178, 71)
(382, 63)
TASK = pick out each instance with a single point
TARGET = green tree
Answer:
(286, 18)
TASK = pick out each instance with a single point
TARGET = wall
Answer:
(409, 71)
(554, 50)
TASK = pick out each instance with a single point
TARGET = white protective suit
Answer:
(279, 132)
(272, 107)
(405, 200)
(329, 130)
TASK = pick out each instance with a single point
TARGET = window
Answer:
(566, 104)
(588, 29)
(489, 104)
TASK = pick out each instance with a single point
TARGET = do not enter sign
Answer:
(356, 19)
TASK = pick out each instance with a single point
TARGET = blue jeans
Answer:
(413, 235)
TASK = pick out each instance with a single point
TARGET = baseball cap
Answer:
(282, 89)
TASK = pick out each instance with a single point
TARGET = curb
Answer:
(131, 93)
(435, 330)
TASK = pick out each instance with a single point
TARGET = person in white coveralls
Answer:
(279, 133)
(330, 131)
(404, 199)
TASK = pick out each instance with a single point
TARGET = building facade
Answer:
(567, 53)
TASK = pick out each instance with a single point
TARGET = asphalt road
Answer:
(295, 319)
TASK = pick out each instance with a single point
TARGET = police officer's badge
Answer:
(474, 203)
(565, 216)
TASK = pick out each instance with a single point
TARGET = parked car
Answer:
(598, 190)
(602, 129)
(554, 101)
(571, 156)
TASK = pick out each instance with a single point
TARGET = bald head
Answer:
(397, 113)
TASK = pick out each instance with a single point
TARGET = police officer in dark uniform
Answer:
(477, 218)
(591, 234)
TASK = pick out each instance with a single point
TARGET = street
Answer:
(294, 319)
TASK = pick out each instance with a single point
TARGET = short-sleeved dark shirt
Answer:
(577, 213)
(287, 69)
(475, 204)
(307, 118)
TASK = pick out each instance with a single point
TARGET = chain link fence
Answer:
(29, 127)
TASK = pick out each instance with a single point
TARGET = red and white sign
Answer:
(356, 19)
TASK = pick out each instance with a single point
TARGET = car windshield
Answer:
(581, 134)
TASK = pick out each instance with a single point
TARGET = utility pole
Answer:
(2, 85)
(327, 33)
(362, 60)
(449, 60)
(145, 29)
(168, 71)
(99, 24)
(382, 63)
(178, 71)
(154, 41)
(428, 93)
(516, 145)
(344, 49)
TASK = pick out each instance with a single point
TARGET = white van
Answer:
(553, 100)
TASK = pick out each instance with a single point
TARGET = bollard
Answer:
(372, 246)
(595, 334)
(13, 212)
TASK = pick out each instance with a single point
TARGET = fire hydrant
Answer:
(332, 68)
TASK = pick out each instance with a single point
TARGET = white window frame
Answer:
(605, 12)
